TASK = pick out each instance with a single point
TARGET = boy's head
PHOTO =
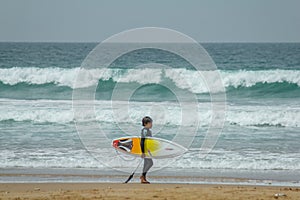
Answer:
(147, 122)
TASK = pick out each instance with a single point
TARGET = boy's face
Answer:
(148, 125)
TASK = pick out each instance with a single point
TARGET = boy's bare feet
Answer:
(143, 180)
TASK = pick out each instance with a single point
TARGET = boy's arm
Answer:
(143, 144)
(143, 140)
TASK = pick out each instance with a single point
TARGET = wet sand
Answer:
(109, 191)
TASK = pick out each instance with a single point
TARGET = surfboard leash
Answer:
(131, 176)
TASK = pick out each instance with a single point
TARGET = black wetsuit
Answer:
(147, 161)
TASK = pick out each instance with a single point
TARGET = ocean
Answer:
(259, 141)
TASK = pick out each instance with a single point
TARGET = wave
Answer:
(270, 90)
(168, 114)
(222, 159)
(31, 92)
(218, 159)
(182, 78)
(61, 157)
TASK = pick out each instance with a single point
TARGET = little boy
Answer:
(146, 132)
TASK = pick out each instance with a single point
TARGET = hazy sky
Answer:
(205, 21)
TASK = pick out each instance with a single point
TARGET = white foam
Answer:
(31, 75)
(249, 78)
(183, 78)
(164, 113)
(56, 158)
(219, 159)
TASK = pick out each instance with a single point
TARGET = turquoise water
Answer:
(262, 125)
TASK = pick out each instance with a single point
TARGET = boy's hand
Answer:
(143, 155)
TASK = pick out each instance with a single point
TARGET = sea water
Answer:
(260, 138)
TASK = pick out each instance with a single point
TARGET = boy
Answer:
(146, 132)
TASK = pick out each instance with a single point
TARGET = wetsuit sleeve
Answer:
(143, 138)
(143, 145)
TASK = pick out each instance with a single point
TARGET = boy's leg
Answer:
(147, 165)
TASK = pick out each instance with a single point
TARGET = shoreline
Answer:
(118, 179)
(142, 191)
(167, 175)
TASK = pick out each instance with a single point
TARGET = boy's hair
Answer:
(146, 120)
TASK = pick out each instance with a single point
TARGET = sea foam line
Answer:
(182, 78)
(61, 112)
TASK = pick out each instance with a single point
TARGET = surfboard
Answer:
(157, 148)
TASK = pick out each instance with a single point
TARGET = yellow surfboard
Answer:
(154, 147)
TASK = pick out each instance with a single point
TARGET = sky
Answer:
(203, 20)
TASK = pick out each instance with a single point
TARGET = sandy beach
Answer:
(139, 191)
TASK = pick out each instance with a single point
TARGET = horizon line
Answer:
(220, 42)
